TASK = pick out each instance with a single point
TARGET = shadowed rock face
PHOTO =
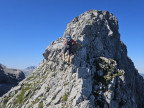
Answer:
(9, 78)
(100, 75)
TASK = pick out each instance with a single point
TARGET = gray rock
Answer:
(8, 75)
(9, 78)
(100, 75)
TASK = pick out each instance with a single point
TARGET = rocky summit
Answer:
(29, 70)
(100, 74)
(9, 78)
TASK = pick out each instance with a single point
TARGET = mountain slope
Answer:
(100, 74)
(9, 78)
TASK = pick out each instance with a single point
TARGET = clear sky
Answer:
(28, 26)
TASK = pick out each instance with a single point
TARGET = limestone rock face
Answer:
(100, 74)
(9, 78)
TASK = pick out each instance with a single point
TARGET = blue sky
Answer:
(28, 26)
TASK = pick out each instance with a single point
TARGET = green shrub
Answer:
(20, 97)
(64, 98)
(30, 77)
(120, 73)
(52, 75)
(40, 105)
(66, 83)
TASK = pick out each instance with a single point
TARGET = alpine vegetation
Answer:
(99, 73)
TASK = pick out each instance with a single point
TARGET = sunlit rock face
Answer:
(100, 74)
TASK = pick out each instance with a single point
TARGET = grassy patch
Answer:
(20, 97)
(7, 98)
(66, 83)
(30, 77)
(108, 78)
(109, 73)
(65, 97)
(52, 75)
(117, 74)
(111, 68)
(40, 105)
(120, 73)
(4, 106)
(36, 101)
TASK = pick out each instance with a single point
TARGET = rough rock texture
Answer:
(100, 75)
(9, 78)
(29, 70)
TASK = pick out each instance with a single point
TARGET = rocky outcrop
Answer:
(9, 78)
(29, 70)
(100, 75)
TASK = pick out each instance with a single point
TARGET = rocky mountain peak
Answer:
(100, 74)
(31, 67)
(29, 70)
(89, 24)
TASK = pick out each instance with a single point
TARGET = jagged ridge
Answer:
(100, 74)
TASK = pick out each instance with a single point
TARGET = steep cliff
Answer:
(100, 75)
(9, 78)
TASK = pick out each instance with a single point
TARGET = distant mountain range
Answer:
(142, 74)
(9, 78)
(29, 70)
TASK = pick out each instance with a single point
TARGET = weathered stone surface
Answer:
(100, 75)
(9, 78)
(8, 75)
